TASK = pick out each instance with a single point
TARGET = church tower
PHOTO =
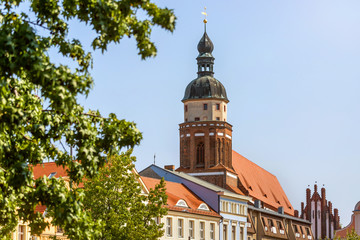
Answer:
(205, 134)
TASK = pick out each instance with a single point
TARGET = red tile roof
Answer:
(45, 169)
(176, 192)
(40, 208)
(261, 184)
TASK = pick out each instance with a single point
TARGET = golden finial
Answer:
(204, 13)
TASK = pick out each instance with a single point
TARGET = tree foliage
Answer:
(114, 197)
(352, 235)
(40, 117)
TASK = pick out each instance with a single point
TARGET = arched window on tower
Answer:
(200, 155)
(218, 152)
(228, 153)
(223, 152)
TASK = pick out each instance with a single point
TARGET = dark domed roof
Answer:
(205, 45)
(205, 87)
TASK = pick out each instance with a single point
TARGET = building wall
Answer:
(186, 218)
(23, 232)
(195, 109)
(353, 225)
(320, 212)
(216, 139)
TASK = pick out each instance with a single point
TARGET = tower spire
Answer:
(205, 47)
(205, 20)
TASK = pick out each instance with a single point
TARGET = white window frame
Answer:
(192, 229)
(182, 203)
(202, 230)
(203, 206)
(22, 234)
(181, 228)
(233, 232)
(212, 231)
(169, 227)
(225, 233)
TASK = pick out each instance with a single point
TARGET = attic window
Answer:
(278, 202)
(52, 174)
(250, 188)
(203, 206)
(265, 195)
(181, 203)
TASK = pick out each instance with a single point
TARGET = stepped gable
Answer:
(261, 184)
(178, 191)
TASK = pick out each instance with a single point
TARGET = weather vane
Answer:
(205, 20)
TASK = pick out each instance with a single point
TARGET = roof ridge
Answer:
(255, 164)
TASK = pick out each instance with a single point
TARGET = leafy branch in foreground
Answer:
(31, 133)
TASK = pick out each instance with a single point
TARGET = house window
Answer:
(280, 227)
(186, 108)
(296, 228)
(157, 220)
(263, 222)
(180, 228)
(197, 119)
(233, 232)
(59, 229)
(212, 231)
(191, 229)
(21, 232)
(224, 108)
(271, 224)
(169, 227)
(217, 106)
(217, 119)
(202, 230)
(200, 154)
(205, 106)
(241, 233)
(225, 232)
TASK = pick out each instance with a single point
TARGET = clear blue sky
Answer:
(291, 70)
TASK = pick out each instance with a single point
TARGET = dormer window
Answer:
(203, 206)
(181, 203)
(52, 175)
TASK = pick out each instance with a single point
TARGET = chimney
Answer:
(308, 196)
(330, 207)
(323, 197)
(296, 213)
(308, 204)
(302, 209)
(281, 210)
(315, 187)
(170, 167)
(257, 203)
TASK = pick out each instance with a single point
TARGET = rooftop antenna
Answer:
(154, 158)
(205, 20)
